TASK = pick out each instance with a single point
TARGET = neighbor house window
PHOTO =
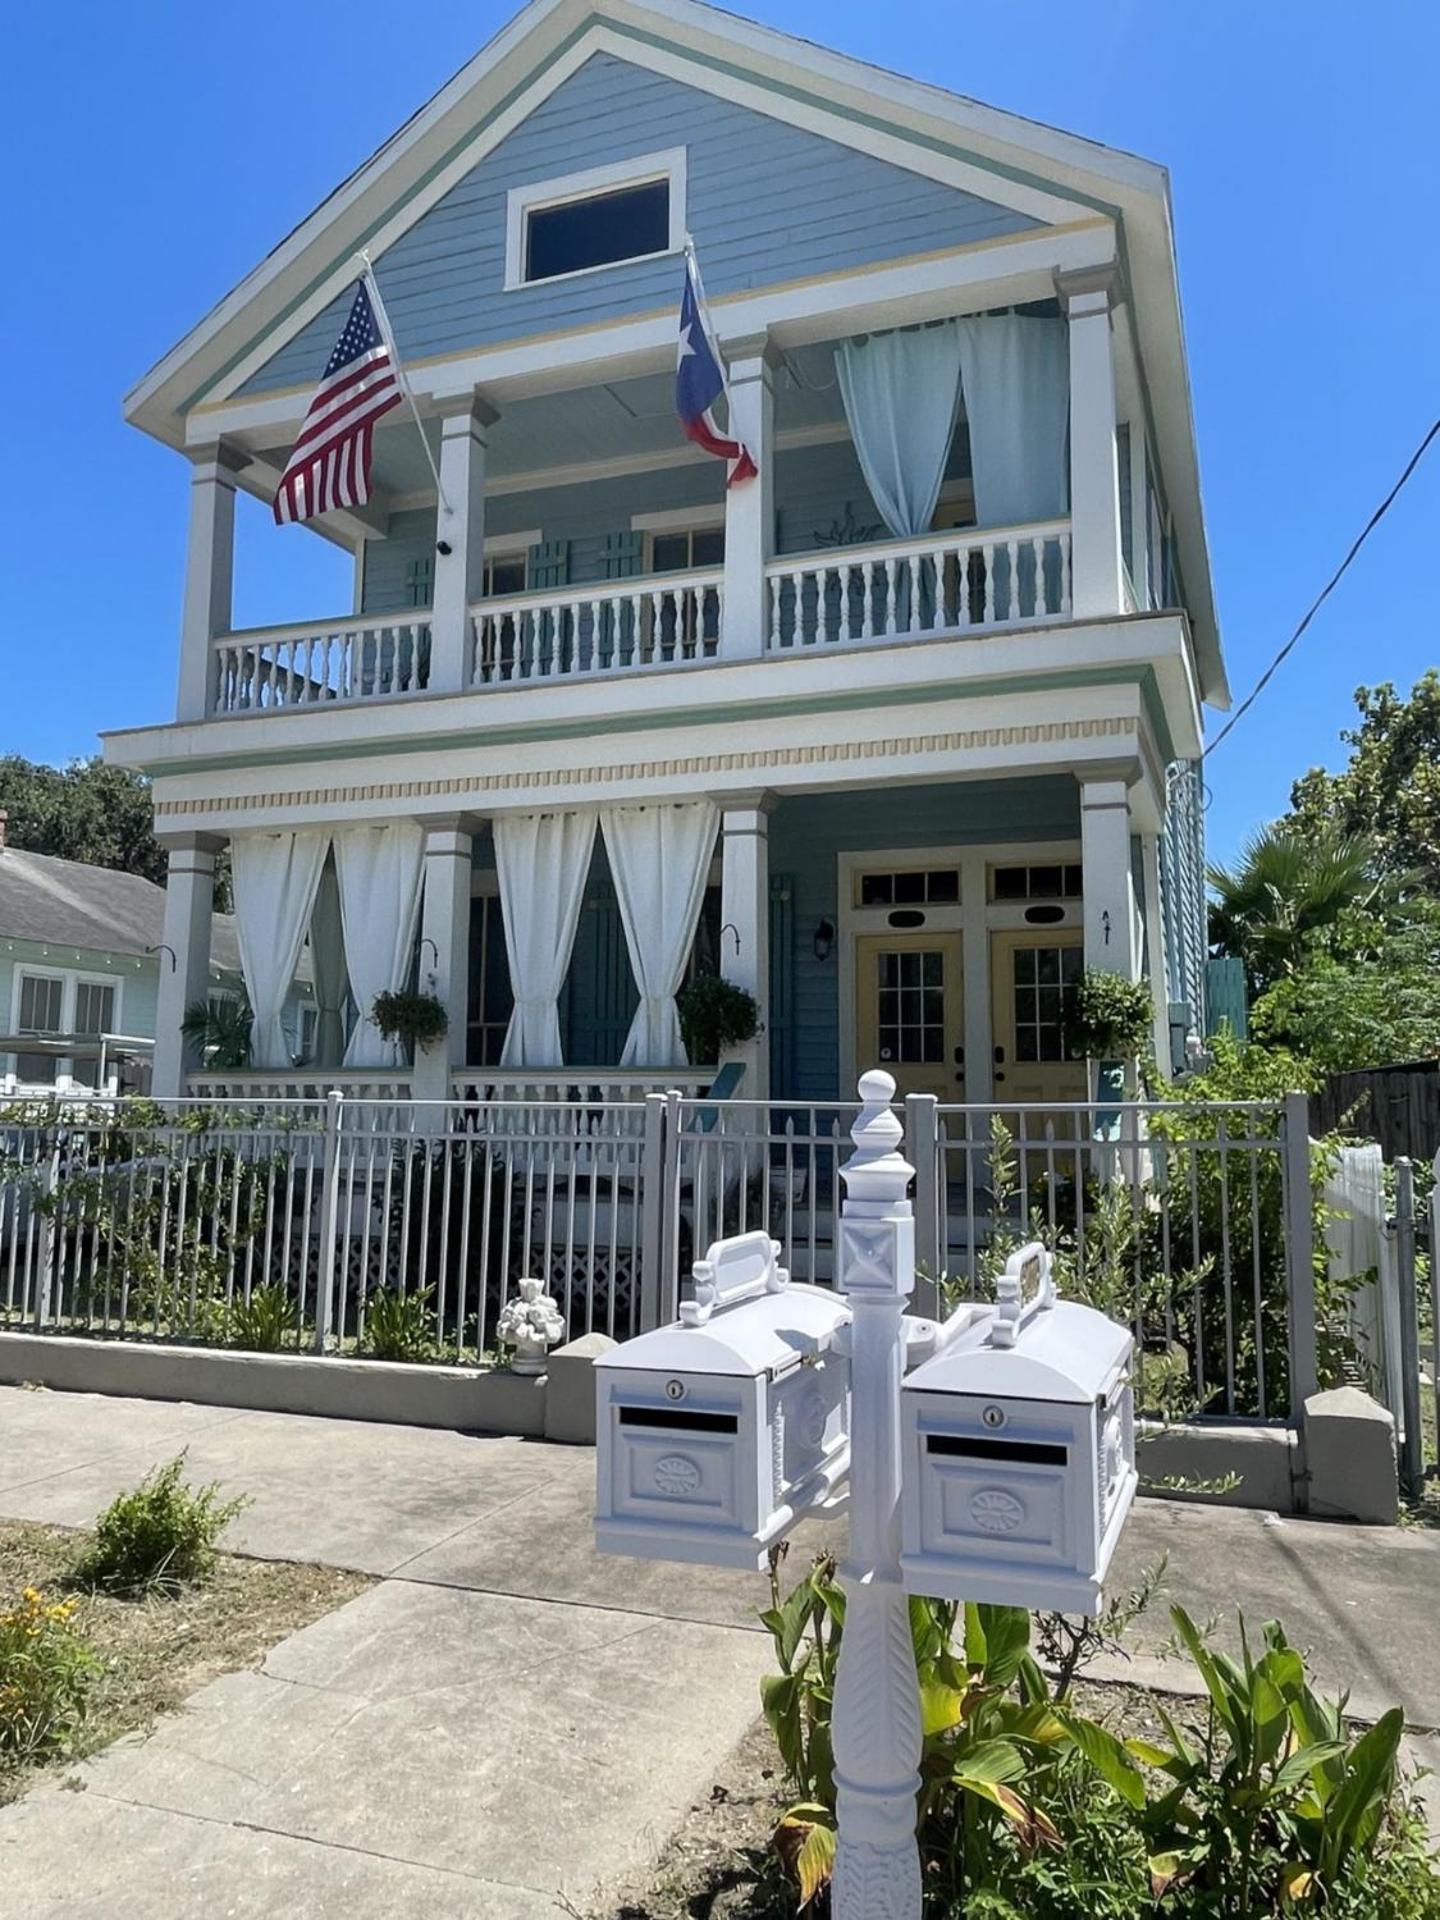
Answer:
(632, 210)
(40, 1011)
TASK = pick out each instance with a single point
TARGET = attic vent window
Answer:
(634, 210)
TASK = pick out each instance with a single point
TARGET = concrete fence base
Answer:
(469, 1399)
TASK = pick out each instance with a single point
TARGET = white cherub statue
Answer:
(531, 1325)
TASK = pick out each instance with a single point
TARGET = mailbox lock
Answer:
(674, 1389)
(993, 1416)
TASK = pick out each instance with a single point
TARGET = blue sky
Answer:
(156, 151)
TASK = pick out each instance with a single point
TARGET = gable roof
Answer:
(1023, 163)
(64, 903)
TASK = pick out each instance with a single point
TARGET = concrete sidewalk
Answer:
(509, 1720)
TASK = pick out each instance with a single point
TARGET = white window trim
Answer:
(497, 545)
(680, 520)
(71, 980)
(520, 202)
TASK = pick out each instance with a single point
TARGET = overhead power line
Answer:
(1324, 594)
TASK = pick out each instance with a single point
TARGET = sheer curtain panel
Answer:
(901, 391)
(275, 877)
(660, 858)
(542, 860)
(379, 871)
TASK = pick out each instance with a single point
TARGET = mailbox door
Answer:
(680, 1463)
(809, 1427)
(994, 1481)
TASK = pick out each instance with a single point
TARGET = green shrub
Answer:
(157, 1537)
(46, 1672)
(264, 1323)
(1030, 1810)
(715, 1014)
(399, 1326)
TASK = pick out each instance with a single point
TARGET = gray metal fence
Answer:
(312, 1224)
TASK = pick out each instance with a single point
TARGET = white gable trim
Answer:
(998, 188)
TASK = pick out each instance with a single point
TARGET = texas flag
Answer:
(700, 382)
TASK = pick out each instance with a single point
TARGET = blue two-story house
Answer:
(897, 735)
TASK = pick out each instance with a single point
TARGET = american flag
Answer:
(329, 465)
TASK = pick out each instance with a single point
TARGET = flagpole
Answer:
(367, 274)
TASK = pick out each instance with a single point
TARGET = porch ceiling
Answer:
(618, 420)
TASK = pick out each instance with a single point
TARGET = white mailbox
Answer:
(1019, 1442)
(716, 1434)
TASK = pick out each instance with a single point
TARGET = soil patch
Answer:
(156, 1652)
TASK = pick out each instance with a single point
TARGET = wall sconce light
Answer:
(824, 941)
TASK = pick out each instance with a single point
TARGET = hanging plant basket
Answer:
(715, 1014)
(410, 1019)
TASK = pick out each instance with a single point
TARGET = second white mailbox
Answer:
(1019, 1444)
(716, 1434)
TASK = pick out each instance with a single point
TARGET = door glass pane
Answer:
(910, 1006)
(1041, 975)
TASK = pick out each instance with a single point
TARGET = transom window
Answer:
(911, 1006)
(1043, 978)
(1054, 880)
(909, 887)
(631, 210)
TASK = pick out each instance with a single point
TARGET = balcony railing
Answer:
(656, 620)
(370, 657)
(937, 583)
(940, 583)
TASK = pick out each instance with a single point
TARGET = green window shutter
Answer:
(622, 556)
(782, 985)
(420, 581)
(550, 564)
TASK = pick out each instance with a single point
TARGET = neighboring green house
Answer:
(80, 960)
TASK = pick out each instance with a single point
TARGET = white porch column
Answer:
(459, 541)
(750, 507)
(1096, 561)
(445, 949)
(209, 574)
(745, 926)
(1110, 918)
(184, 956)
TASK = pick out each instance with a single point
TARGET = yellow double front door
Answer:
(910, 1019)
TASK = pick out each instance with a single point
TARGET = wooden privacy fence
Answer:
(1397, 1106)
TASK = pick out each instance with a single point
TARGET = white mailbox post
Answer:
(1001, 1470)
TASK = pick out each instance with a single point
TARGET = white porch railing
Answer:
(939, 583)
(610, 1085)
(652, 620)
(370, 657)
(308, 1084)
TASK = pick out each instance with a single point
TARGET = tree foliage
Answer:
(1391, 788)
(1370, 999)
(1287, 888)
(85, 811)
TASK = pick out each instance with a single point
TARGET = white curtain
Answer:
(327, 969)
(1015, 374)
(542, 860)
(659, 857)
(379, 871)
(901, 391)
(275, 877)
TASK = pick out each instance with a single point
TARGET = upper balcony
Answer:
(1026, 490)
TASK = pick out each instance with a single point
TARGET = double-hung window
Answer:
(40, 1014)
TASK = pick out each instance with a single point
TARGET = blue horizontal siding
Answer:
(767, 202)
(818, 491)
(807, 834)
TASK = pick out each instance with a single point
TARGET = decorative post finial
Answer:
(877, 1174)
